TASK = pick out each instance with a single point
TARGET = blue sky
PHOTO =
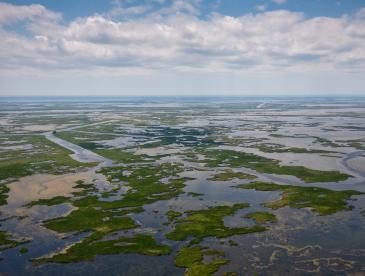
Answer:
(175, 47)
(72, 9)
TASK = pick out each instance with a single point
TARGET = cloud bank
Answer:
(175, 38)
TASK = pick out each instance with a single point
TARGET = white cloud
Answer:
(176, 39)
(261, 7)
(11, 13)
(120, 9)
(136, 10)
(279, 2)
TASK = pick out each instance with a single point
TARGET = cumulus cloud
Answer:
(11, 13)
(176, 38)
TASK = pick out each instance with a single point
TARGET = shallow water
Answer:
(301, 242)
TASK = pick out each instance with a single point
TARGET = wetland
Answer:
(182, 186)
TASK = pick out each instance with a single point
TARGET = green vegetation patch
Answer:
(230, 175)
(320, 200)
(14, 169)
(23, 250)
(44, 157)
(49, 202)
(219, 157)
(172, 215)
(90, 218)
(261, 217)
(85, 188)
(93, 245)
(102, 217)
(145, 182)
(357, 144)
(120, 156)
(192, 258)
(276, 148)
(7, 242)
(3, 194)
(326, 142)
(193, 194)
(209, 223)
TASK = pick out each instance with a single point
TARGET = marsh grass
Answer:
(320, 200)
(209, 223)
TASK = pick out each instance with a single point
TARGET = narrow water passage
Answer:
(80, 154)
(352, 155)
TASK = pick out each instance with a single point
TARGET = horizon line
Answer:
(186, 96)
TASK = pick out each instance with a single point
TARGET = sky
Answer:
(176, 47)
